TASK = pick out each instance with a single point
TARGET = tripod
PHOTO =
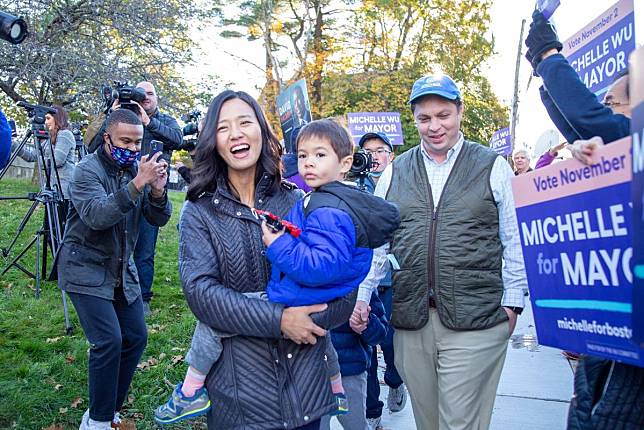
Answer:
(50, 196)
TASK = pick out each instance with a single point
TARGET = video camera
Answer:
(125, 94)
(362, 164)
(36, 114)
(192, 123)
(12, 28)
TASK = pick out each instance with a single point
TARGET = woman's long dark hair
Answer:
(209, 167)
(61, 122)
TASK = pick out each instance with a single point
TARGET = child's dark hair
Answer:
(330, 130)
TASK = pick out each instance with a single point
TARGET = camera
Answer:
(192, 121)
(12, 28)
(362, 164)
(125, 94)
(36, 114)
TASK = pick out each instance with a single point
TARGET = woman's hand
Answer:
(298, 326)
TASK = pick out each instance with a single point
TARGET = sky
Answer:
(570, 17)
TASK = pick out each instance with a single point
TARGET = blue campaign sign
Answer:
(388, 123)
(501, 142)
(600, 50)
(575, 227)
(637, 126)
(547, 7)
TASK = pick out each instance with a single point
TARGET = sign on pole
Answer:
(637, 125)
(361, 123)
(294, 110)
(600, 50)
(501, 142)
(576, 234)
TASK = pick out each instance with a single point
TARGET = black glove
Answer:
(541, 38)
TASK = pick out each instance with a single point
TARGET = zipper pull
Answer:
(434, 215)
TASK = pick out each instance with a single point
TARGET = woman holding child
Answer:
(271, 373)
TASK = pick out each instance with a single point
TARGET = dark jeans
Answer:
(144, 256)
(117, 336)
(392, 378)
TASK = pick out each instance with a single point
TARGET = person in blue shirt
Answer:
(355, 354)
(327, 260)
(5, 140)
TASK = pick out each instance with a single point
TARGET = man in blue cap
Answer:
(458, 272)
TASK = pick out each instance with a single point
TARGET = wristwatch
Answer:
(517, 310)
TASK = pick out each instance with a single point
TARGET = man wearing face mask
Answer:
(110, 196)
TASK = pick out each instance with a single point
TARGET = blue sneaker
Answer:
(179, 407)
(342, 404)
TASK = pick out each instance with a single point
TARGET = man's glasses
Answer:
(612, 103)
(379, 151)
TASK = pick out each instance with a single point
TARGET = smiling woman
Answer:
(272, 372)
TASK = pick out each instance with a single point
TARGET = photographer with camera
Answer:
(380, 153)
(142, 100)
(110, 195)
(5, 140)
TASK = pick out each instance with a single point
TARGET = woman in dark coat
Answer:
(272, 373)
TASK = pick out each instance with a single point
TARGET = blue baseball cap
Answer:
(440, 85)
(375, 135)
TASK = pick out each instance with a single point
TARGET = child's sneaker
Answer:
(342, 404)
(179, 407)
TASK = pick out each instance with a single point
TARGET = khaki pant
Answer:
(452, 376)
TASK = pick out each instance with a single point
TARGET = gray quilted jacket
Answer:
(261, 381)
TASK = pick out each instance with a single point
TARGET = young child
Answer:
(354, 355)
(328, 260)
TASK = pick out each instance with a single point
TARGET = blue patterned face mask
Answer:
(123, 157)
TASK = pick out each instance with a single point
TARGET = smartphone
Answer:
(155, 146)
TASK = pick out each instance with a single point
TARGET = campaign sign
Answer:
(637, 125)
(361, 123)
(501, 142)
(575, 228)
(294, 110)
(547, 7)
(600, 50)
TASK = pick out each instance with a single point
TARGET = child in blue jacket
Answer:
(340, 224)
(354, 354)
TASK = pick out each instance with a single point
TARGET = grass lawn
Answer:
(43, 372)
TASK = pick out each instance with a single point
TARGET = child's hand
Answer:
(269, 235)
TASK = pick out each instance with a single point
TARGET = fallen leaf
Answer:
(162, 356)
(70, 359)
(167, 279)
(176, 348)
(53, 339)
(57, 387)
(62, 410)
(148, 363)
(130, 399)
(176, 359)
(77, 401)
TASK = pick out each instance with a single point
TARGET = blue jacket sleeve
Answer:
(556, 117)
(322, 255)
(376, 330)
(585, 115)
(5, 140)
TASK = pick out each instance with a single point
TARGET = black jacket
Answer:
(161, 127)
(102, 227)
(608, 396)
(261, 381)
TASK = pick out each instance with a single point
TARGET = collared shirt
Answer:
(513, 273)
